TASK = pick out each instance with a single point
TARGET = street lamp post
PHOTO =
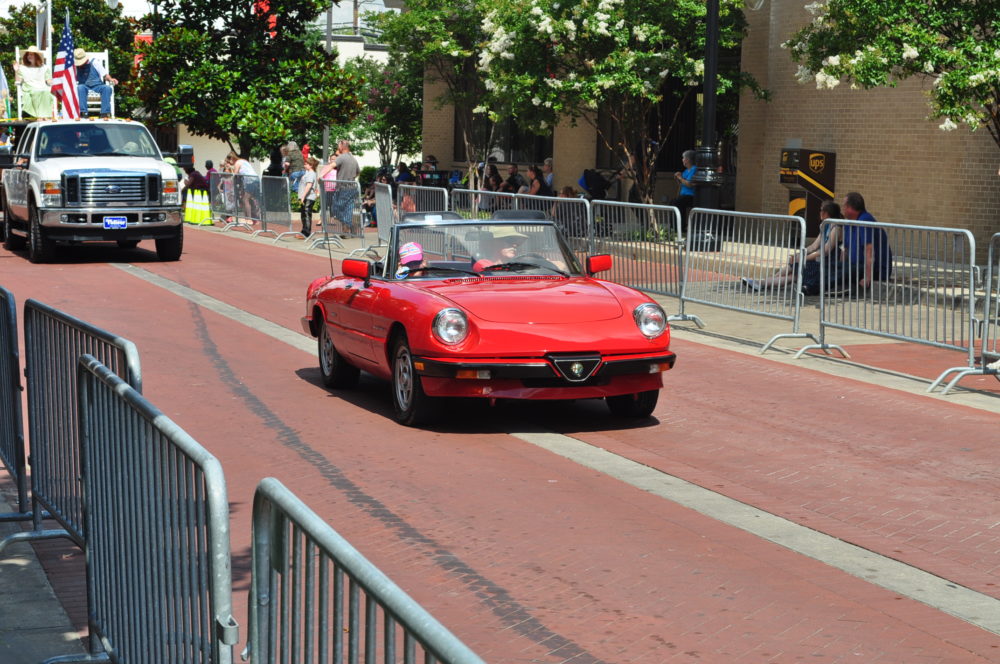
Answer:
(706, 178)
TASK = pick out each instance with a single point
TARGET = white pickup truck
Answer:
(90, 180)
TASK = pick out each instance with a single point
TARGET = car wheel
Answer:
(40, 248)
(334, 369)
(409, 403)
(170, 248)
(633, 405)
(128, 244)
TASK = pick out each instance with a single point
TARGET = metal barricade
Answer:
(246, 204)
(415, 198)
(723, 250)
(922, 290)
(645, 242)
(385, 211)
(11, 419)
(159, 580)
(275, 207)
(53, 341)
(341, 213)
(473, 204)
(315, 598)
(222, 198)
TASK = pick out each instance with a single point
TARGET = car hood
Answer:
(534, 301)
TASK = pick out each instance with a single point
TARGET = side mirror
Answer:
(598, 263)
(357, 268)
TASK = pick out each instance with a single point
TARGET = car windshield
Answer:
(482, 249)
(104, 140)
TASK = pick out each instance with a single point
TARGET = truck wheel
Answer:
(11, 242)
(170, 248)
(40, 248)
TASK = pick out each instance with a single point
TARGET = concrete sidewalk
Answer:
(34, 624)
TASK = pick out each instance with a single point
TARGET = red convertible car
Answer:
(492, 309)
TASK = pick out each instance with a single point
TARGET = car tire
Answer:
(333, 368)
(128, 244)
(40, 248)
(170, 248)
(410, 406)
(633, 405)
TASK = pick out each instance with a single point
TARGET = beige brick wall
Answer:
(908, 170)
(574, 149)
(438, 126)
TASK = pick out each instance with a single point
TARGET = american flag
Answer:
(64, 75)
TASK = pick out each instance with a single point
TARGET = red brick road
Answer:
(529, 557)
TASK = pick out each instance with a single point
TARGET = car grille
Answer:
(110, 190)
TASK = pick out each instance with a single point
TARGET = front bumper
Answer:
(544, 378)
(87, 224)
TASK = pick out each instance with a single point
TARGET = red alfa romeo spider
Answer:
(492, 309)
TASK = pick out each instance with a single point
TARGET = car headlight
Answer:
(171, 193)
(451, 326)
(650, 319)
(51, 193)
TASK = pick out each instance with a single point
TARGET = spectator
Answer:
(430, 163)
(826, 244)
(570, 218)
(275, 167)
(549, 176)
(536, 182)
(209, 168)
(866, 256)
(307, 194)
(403, 173)
(296, 164)
(248, 183)
(514, 181)
(93, 76)
(328, 175)
(346, 197)
(194, 181)
(36, 83)
(685, 198)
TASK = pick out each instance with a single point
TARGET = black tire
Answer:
(410, 406)
(11, 242)
(170, 248)
(40, 248)
(333, 368)
(128, 244)
(633, 405)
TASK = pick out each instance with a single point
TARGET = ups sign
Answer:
(817, 162)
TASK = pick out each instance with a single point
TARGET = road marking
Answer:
(934, 591)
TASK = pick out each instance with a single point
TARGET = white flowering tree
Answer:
(544, 60)
(873, 43)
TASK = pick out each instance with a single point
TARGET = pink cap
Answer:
(411, 252)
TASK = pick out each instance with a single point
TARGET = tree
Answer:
(393, 98)
(548, 59)
(249, 74)
(95, 27)
(872, 44)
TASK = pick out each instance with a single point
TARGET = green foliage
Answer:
(547, 59)
(393, 107)
(95, 27)
(367, 176)
(252, 79)
(871, 44)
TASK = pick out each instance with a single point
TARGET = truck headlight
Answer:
(171, 193)
(451, 326)
(650, 319)
(51, 191)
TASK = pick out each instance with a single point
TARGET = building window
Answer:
(508, 142)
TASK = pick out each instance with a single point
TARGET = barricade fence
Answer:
(723, 251)
(275, 207)
(645, 243)
(314, 597)
(159, 581)
(473, 204)
(341, 214)
(416, 198)
(53, 341)
(222, 196)
(385, 211)
(11, 418)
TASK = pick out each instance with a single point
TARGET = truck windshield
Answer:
(105, 140)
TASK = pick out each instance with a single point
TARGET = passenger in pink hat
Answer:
(411, 260)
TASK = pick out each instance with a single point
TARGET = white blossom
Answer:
(536, 11)
(831, 61)
(815, 8)
(536, 101)
(824, 80)
(928, 67)
(948, 125)
(479, 109)
(803, 74)
(909, 52)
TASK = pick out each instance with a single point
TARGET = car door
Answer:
(15, 179)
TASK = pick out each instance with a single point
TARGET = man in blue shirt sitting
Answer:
(93, 76)
(866, 256)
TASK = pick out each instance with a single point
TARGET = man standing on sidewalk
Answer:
(345, 198)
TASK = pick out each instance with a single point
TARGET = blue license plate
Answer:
(115, 223)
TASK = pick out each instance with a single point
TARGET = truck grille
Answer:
(97, 191)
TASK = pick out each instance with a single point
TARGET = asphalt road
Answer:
(767, 512)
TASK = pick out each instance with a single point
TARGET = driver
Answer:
(503, 246)
(411, 260)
